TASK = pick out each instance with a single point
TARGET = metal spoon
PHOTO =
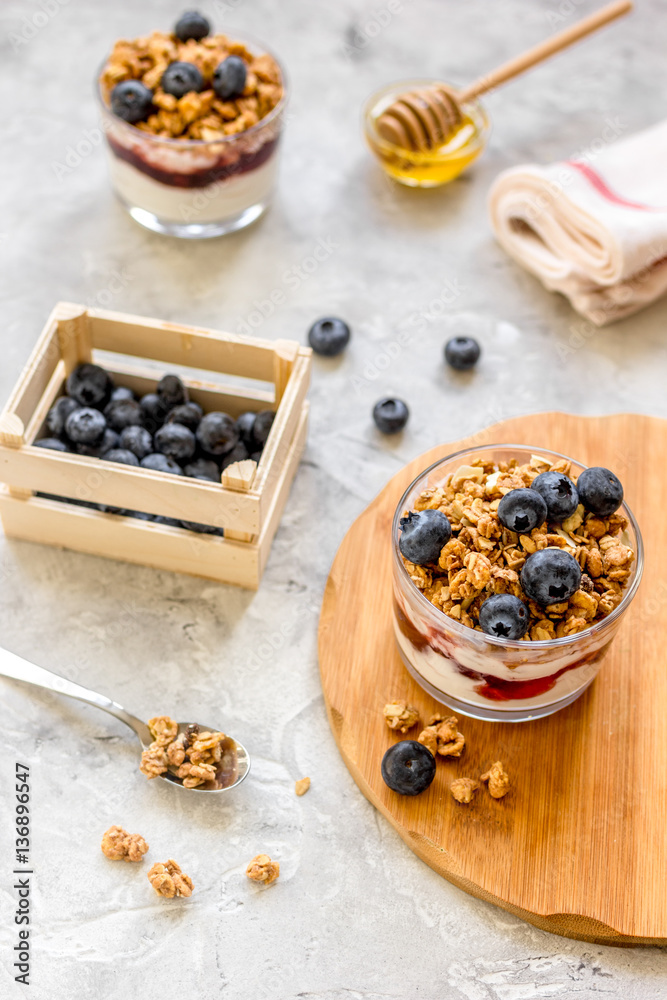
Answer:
(231, 771)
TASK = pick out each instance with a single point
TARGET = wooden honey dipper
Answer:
(424, 119)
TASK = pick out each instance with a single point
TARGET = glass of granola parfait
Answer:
(193, 122)
(512, 570)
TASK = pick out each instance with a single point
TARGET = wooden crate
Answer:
(247, 503)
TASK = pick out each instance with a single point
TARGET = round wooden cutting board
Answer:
(578, 845)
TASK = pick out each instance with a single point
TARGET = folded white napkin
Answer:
(593, 228)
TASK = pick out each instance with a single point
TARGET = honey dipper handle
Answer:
(545, 49)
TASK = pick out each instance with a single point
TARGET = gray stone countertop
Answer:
(355, 914)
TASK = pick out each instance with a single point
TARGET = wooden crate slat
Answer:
(37, 373)
(159, 546)
(74, 335)
(129, 488)
(49, 396)
(280, 439)
(283, 486)
(178, 344)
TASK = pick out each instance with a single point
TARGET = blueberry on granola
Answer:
(90, 385)
(504, 616)
(558, 492)
(600, 491)
(522, 511)
(217, 433)
(180, 78)
(390, 415)
(462, 353)
(58, 414)
(423, 535)
(86, 426)
(176, 441)
(408, 767)
(192, 24)
(229, 78)
(131, 101)
(329, 336)
(550, 576)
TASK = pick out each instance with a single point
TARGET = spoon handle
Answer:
(19, 669)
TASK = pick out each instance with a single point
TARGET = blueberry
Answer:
(140, 515)
(161, 463)
(180, 78)
(229, 78)
(217, 433)
(522, 510)
(504, 616)
(600, 491)
(137, 440)
(558, 492)
(171, 521)
(153, 411)
(202, 529)
(175, 441)
(90, 385)
(109, 441)
(122, 456)
(244, 425)
(203, 468)
(256, 455)
(423, 534)
(122, 413)
(85, 426)
(131, 101)
(188, 414)
(329, 336)
(408, 767)
(390, 415)
(122, 392)
(462, 353)
(239, 453)
(191, 24)
(53, 444)
(58, 414)
(171, 391)
(261, 427)
(550, 576)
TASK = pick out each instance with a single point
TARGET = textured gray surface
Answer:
(354, 914)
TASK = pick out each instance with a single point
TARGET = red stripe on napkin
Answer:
(600, 186)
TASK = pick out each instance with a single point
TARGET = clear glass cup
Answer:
(191, 188)
(482, 676)
(429, 168)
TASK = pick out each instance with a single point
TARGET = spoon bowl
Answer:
(230, 772)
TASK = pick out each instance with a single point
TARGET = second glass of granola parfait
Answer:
(499, 679)
(196, 165)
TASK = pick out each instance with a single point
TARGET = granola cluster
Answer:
(263, 869)
(400, 716)
(168, 880)
(484, 558)
(193, 755)
(196, 115)
(119, 845)
(441, 736)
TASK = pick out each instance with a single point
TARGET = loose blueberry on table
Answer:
(162, 432)
(390, 415)
(408, 767)
(329, 336)
(462, 353)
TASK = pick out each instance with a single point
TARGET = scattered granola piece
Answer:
(263, 869)
(463, 789)
(498, 780)
(441, 736)
(154, 761)
(163, 729)
(399, 715)
(301, 786)
(119, 845)
(168, 880)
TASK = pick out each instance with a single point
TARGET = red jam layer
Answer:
(201, 177)
(490, 687)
